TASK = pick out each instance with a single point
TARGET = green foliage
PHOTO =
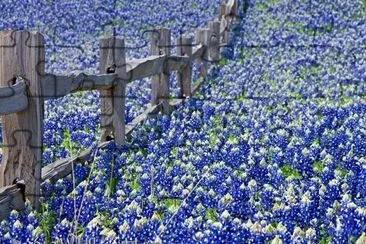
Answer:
(261, 7)
(47, 222)
(345, 100)
(160, 215)
(106, 220)
(239, 174)
(325, 239)
(340, 171)
(68, 144)
(287, 171)
(232, 140)
(132, 178)
(134, 184)
(223, 62)
(80, 231)
(270, 109)
(274, 225)
(174, 151)
(211, 214)
(318, 166)
(172, 204)
(111, 184)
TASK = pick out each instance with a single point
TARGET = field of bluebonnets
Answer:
(272, 148)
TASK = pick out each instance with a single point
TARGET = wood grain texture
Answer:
(222, 11)
(63, 167)
(160, 45)
(223, 17)
(13, 98)
(145, 67)
(177, 62)
(202, 37)
(11, 198)
(112, 53)
(198, 51)
(55, 86)
(232, 7)
(184, 48)
(214, 50)
(22, 53)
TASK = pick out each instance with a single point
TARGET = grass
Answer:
(287, 171)
(211, 214)
(223, 62)
(48, 220)
(111, 186)
(325, 239)
(318, 166)
(172, 204)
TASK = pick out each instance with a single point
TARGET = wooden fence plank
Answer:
(222, 11)
(13, 98)
(202, 37)
(113, 60)
(184, 47)
(198, 51)
(146, 67)
(55, 86)
(177, 62)
(23, 54)
(223, 22)
(214, 50)
(150, 110)
(63, 167)
(232, 7)
(160, 45)
(11, 198)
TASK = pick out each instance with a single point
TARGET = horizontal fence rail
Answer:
(24, 86)
(13, 98)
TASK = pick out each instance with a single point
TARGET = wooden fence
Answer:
(24, 86)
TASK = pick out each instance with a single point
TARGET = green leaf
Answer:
(364, 4)
(47, 222)
(287, 171)
(211, 214)
(111, 184)
(316, 142)
(318, 166)
(223, 62)
(172, 204)
(80, 230)
(232, 140)
(340, 171)
(213, 138)
(160, 215)
(174, 151)
(66, 141)
(135, 184)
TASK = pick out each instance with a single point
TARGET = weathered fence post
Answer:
(234, 9)
(113, 60)
(222, 10)
(23, 54)
(184, 48)
(160, 45)
(214, 41)
(223, 20)
(203, 37)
